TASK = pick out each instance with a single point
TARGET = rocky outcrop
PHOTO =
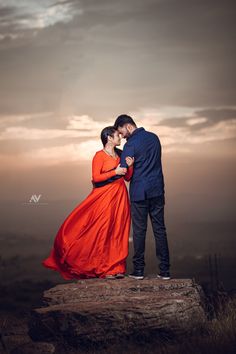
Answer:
(97, 311)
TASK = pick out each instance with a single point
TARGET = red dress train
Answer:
(94, 238)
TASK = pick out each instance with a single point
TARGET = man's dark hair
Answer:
(122, 120)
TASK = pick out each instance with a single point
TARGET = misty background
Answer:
(68, 69)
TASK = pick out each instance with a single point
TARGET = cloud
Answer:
(217, 114)
(193, 121)
(8, 120)
(76, 127)
(69, 153)
(21, 22)
(202, 117)
(34, 14)
(222, 130)
(116, 54)
(182, 133)
(172, 139)
(167, 63)
(22, 133)
(178, 139)
(82, 152)
(85, 122)
(84, 126)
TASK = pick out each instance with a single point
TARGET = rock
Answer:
(32, 348)
(14, 337)
(98, 311)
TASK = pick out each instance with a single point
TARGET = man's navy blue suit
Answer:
(147, 180)
(147, 196)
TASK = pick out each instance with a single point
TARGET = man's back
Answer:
(147, 180)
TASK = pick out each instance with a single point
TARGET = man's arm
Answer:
(128, 150)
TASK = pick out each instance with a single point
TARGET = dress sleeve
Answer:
(97, 175)
(129, 173)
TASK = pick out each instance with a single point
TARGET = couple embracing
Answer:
(93, 241)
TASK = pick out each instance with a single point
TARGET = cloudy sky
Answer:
(68, 68)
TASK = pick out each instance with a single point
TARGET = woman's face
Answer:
(116, 140)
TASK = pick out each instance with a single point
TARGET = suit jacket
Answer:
(147, 180)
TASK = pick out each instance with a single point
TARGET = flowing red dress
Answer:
(94, 238)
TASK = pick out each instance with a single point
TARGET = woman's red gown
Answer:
(94, 238)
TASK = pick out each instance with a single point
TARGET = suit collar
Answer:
(136, 131)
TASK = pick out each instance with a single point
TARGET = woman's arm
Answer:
(97, 164)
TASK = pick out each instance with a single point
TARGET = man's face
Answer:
(124, 132)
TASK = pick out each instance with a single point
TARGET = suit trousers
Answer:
(139, 214)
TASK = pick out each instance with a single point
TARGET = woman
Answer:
(93, 239)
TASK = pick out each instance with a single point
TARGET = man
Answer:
(147, 195)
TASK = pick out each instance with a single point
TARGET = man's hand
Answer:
(121, 170)
(129, 160)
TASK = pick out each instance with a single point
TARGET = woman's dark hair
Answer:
(124, 119)
(107, 131)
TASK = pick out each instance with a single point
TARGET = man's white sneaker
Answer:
(136, 275)
(164, 277)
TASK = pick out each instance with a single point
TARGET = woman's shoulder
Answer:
(103, 155)
(99, 153)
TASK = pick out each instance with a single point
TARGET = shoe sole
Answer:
(136, 277)
(164, 278)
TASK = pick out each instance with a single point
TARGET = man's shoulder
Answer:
(146, 133)
(141, 135)
(151, 135)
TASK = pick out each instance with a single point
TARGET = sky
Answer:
(69, 68)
